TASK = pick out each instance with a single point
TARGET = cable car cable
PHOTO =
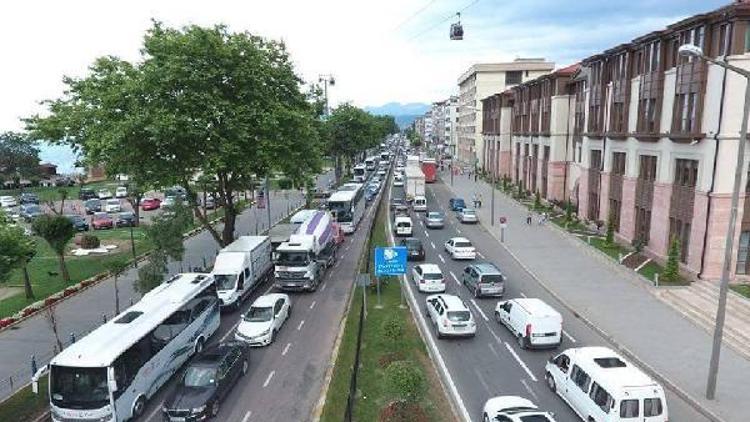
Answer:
(422, 9)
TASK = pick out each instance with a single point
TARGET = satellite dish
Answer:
(457, 30)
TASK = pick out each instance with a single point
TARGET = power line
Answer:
(422, 9)
(443, 21)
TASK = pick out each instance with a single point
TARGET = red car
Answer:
(149, 204)
(102, 220)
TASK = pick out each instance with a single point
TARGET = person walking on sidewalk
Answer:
(542, 218)
(479, 201)
(528, 218)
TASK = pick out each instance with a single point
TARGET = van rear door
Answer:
(650, 407)
(545, 329)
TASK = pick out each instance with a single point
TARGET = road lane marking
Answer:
(286, 349)
(481, 312)
(522, 294)
(455, 278)
(441, 258)
(426, 234)
(520, 362)
(480, 254)
(432, 244)
(347, 248)
(247, 416)
(533, 394)
(312, 305)
(153, 414)
(322, 287)
(569, 336)
(268, 289)
(481, 380)
(497, 355)
(458, 230)
(301, 323)
(231, 330)
(268, 380)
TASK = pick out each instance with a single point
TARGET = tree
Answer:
(136, 192)
(57, 231)
(672, 269)
(200, 101)
(16, 250)
(19, 157)
(405, 381)
(350, 130)
(165, 234)
(116, 268)
(610, 239)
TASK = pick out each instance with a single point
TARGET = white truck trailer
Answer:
(301, 262)
(240, 267)
(414, 181)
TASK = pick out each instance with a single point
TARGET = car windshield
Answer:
(101, 216)
(462, 244)
(199, 376)
(341, 211)
(79, 388)
(127, 215)
(468, 212)
(492, 278)
(292, 259)
(75, 218)
(33, 208)
(225, 281)
(433, 276)
(459, 316)
(435, 215)
(92, 203)
(258, 314)
(412, 243)
(535, 418)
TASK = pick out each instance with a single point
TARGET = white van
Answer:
(420, 203)
(402, 226)
(598, 384)
(240, 267)
(533, 322)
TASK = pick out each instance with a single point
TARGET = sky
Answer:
(378, 50)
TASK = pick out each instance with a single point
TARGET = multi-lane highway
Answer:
(492, 363)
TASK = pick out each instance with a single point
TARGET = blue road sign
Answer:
(390, 261)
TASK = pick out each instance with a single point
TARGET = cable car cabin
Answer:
(457, 31)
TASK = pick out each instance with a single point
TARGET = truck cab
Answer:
(300, 263)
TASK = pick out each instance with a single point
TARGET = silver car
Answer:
(468, 215)
(434, 220)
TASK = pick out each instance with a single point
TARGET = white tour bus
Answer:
(360, 173)
(348, 207)
(111, 373)
(371, 164)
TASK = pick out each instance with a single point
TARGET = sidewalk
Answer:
(618, 304)
(83, 312)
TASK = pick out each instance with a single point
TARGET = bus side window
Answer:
(247, 272)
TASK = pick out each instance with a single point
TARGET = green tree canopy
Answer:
(19, 157)
(16, 249)
(57, 231)
(200, 101)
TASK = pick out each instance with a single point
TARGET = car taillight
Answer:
(421, 281)
(528, 330)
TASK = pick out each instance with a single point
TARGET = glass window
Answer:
(79, 388)
(513, 77)
(198, 376)
(652, 407)
(629, 409)
(258, 314)
(581, 379)
(459, 316)
(601, 398)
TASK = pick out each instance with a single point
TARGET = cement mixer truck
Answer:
(301, 262)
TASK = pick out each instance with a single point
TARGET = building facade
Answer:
(444, 122)
(479, 82)
(643, 137)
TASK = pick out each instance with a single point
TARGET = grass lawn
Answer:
(743, 289)
(377, 351)
(614, 250)
(80, 268)
(649, 270)
(24, 405)
(53, 193)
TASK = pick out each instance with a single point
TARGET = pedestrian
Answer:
(479, 200)
(542, 218)
(469, 174)
(528, 218)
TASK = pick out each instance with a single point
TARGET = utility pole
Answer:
(326, 79)
(268, 203)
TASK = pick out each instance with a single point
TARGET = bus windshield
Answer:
(79, 388)
(225, 281)
(341, 211)
(292, 259)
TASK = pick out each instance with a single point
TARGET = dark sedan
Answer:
(28, 198)
(125, 219)
(92, 206)
(30, 211)
(414, 249)
(206, 382)
(78, 222)
(87, 193)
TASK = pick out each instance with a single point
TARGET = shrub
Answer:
(672, 269)
(610, 230)
(568, 210)
(392, 329)
(285, 183)
(537, 200)
(50, 301)
(405, 381)
(89, 241)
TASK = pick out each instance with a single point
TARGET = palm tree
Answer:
(57, 231)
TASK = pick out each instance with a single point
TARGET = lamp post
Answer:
(326, 79)
(689, 50)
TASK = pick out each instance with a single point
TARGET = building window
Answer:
(513, 77)
(724, 39)
(686, 173)
(743, 253)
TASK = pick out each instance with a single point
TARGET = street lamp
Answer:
(326, 80)
(689, 50)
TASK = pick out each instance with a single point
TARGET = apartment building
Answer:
(478, 82)
(641, 136)
(445, 119)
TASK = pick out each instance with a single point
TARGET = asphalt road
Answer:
(492, 363)
(285, 379)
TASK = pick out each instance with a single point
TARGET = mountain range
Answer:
(403, 113)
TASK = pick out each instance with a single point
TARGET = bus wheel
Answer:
(215, 409)
(199, 346)
(138, 407)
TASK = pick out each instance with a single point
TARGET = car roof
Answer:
(269, 299)
(614, 379)
(536, 306)
(460, 239)
(430, 268)
(486, 267)
(403, 218)
(212, 356)
(453, 302)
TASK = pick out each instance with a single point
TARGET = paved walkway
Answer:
(619, 305)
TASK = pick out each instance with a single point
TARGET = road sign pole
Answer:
(379, 305)
(364, 301)
(401, 304)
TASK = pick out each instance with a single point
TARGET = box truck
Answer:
(429, 168)
(240, 267)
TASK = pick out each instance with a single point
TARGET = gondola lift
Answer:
(457, 30)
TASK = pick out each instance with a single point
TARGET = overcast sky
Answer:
(378, 50)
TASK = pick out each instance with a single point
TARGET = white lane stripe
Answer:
(522, 294)
(482, 381)
(569, 336)
(533, 394)
(426, 234)
(301, 323)
(247, 416)
(268, 380)
(432, 244)
(268, 289)
(497, 355)
(150, 416)
(322, 287)
(312, 305)
(286, 349)
(455, 278)
(441, 258)
(234, 327)
(481, 312)
(480, 254)
(520, 362)
(458, 230)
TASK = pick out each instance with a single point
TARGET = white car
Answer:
(513, 409)
(428, 278)
(450, 316)
(531, 321)
(121, 192)
(259, 325)
(398, 181)
(104, 194)
(381, 173)
(468, 215)
(112, 205)
(7, 202)
(460, 248)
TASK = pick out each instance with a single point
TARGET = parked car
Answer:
(92, 205)
(434, 220)
(176, 191)
(104, 194)
(468, 215)
(210, 202)
(168, 201)
(450, 316)
(112, 205)
(79, 223)
(207, 380)
(28, 198)
(381, 172)
(534, 323)
(460, 248)
(456, 204)
(30, 211)
(121, 192)
(126, 219)
(8, 202)
(414, 249)
(428, 278)
(87, 193)
(149, 204)
(484, 279)
(259, 325)
(513, 409)
(101, 221)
